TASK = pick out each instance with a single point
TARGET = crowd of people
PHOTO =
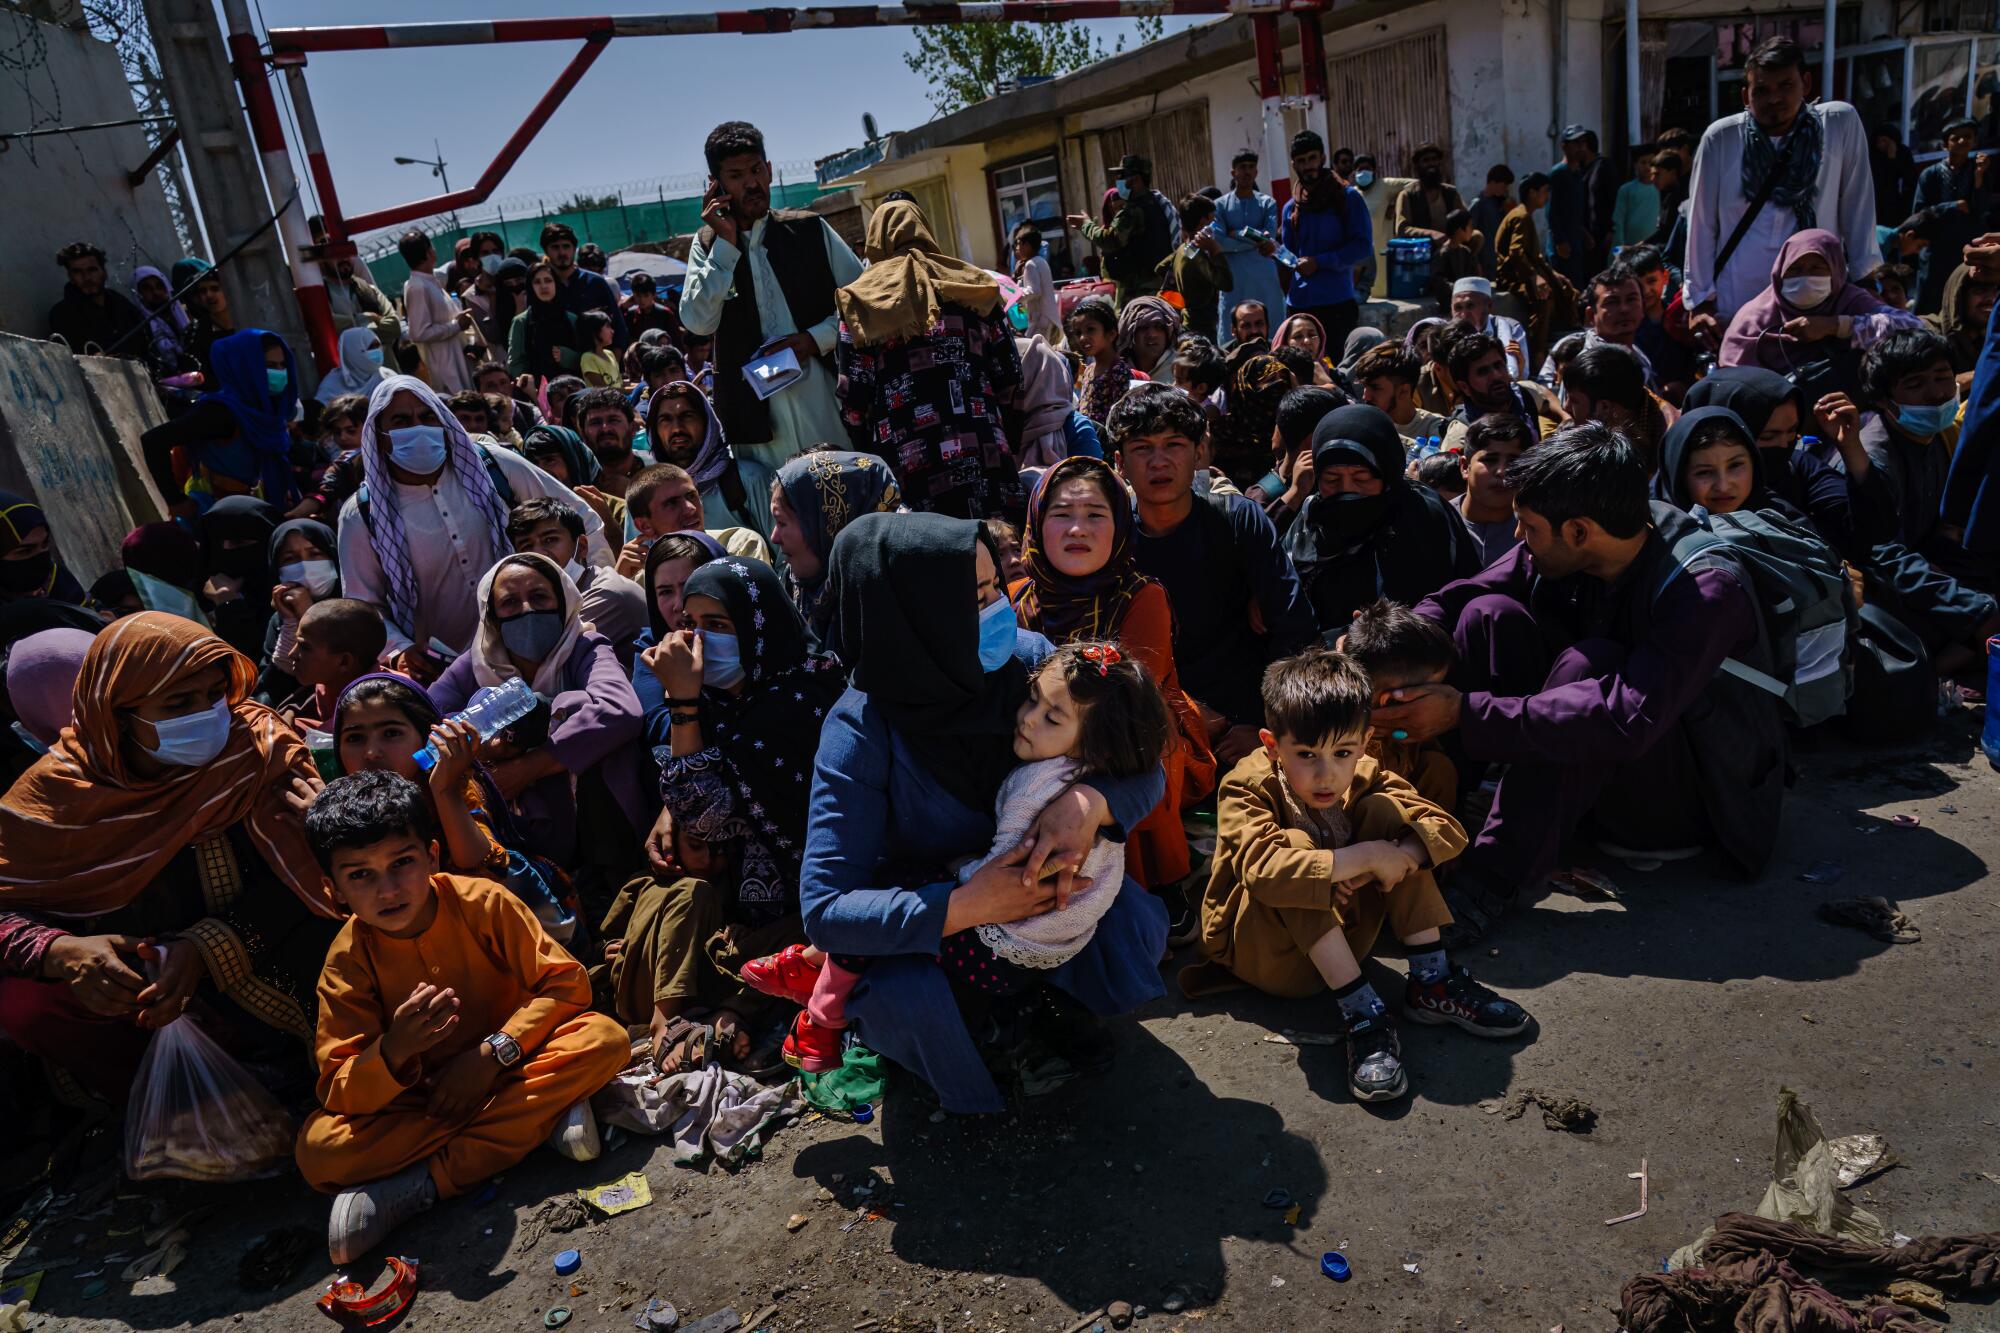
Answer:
(575, 697)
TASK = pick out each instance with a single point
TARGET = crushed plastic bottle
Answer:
(490, 711)
(1989, 736)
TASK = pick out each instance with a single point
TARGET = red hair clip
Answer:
(1103, 656)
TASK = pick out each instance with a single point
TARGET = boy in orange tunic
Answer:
(454, 1034)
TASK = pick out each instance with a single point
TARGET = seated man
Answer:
(1478, 366)
(612, 604)
(1249, 326)
(1492, 443)
(1236, 599)
(1317, 847)
(663, 499)
(472, 410)
(1472, 303)
(609, 426)
(454, 1034)
(1606, 383)
(1589, 662)
(1388, 376)
(683, 429)
(1614, 306)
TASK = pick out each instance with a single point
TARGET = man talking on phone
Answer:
(761, 282)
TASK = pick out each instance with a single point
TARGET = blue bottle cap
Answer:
(1334, 1264)
(863, 1113)
(568, 1262)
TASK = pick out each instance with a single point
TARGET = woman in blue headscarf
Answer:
(237, 439)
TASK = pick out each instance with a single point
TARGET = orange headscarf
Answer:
(81, 835)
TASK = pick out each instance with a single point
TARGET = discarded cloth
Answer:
(1765, 1296)
(858, 1082)
(703, 1111)
(1965, 1263)
(1878, 916)
(1571, 1114)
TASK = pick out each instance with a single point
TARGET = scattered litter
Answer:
(659, 1316)
(557, 1316)
(756, 1321)
(1947, 809)
(1905, 821)
(1411, 1268)
(565, 1212)
(270, 1263)
(348, 1300)
(1292, 1216)
(1085, 1322)
(1571, 1114)
(1176, 1300)
(567, 1262)
(1334, 1264)
(1277, 1281)
(795, 1221)
(1859, 1156)
(1822, 872)
(92, 1290)
(1586, 883)
(863, 1113)
(1988, 1175)
(1640, 1176)
(623, 1195)
(867, 1326)
(1119, 1313)
(1877, 916)
(158, 1262)
(722, 1321)
(1290, 1038)
(1916, 1295)
(1808, 1017)
(1278, 1198)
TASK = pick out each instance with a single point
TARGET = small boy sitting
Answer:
(454, 1034)
(1398, 647)
(334, 643)
(1317, 847)
(1457, 258)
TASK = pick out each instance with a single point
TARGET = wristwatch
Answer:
(505, 1049)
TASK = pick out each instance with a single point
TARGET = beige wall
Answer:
(76, 182)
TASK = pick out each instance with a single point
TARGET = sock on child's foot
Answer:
(1358, 1000)
(1432, 965)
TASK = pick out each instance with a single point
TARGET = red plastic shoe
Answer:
(812, 1048)
(786, 974)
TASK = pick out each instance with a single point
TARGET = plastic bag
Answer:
(195, 1114)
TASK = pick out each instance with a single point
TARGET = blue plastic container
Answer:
(1989, 737)
(1409, 268)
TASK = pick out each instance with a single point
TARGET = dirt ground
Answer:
(1678, 1010)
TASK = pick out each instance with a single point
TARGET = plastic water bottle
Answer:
(491, 711)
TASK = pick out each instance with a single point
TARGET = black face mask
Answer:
(240, 562)
(1343, 520)
(27, 577)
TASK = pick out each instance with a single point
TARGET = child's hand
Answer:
(303, 790)
(464, 1084)
(290, 601)
(1383, 863)
(456, 742)
(419, 1023)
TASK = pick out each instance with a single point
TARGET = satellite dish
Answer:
(869, 133)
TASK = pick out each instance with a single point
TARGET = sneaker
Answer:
(1183, 915)
(575, 1135)
(813, 1049)
(786, 974)
(364, 1216)
(1375, 1060)
(1459, 1000)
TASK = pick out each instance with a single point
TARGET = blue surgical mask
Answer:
(531, 636)
(1924, 421)
(1124, 189)
(374, 354)
(418, 449)
(721, 659)
(194, 739)
(1363, 179)
(277, 379)
(491, 263)
(996, 635)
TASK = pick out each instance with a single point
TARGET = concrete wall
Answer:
(76, 182)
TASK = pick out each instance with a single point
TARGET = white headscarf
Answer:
(356, 373)
(491, 664)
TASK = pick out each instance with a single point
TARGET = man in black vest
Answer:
(1139, 237)
(760, 281)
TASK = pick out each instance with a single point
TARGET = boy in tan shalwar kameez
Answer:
(1317, 848)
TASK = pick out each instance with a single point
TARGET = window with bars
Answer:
(1388, 99)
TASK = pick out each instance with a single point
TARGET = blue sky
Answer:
(639, 114)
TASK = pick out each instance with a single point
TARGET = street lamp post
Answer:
(437, 166)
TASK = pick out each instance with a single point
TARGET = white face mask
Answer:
(418, 449)
(1806, 293)
(191, 740)
(320, 577)
(574, 570)
(491, 263)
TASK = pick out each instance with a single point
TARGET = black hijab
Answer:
(769, 730)
(242, 518)
(1329, 526)
(1670, 482)
(314, 531)
(550, 326)
(506, 303)
(1753, 394)
(905, 621)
